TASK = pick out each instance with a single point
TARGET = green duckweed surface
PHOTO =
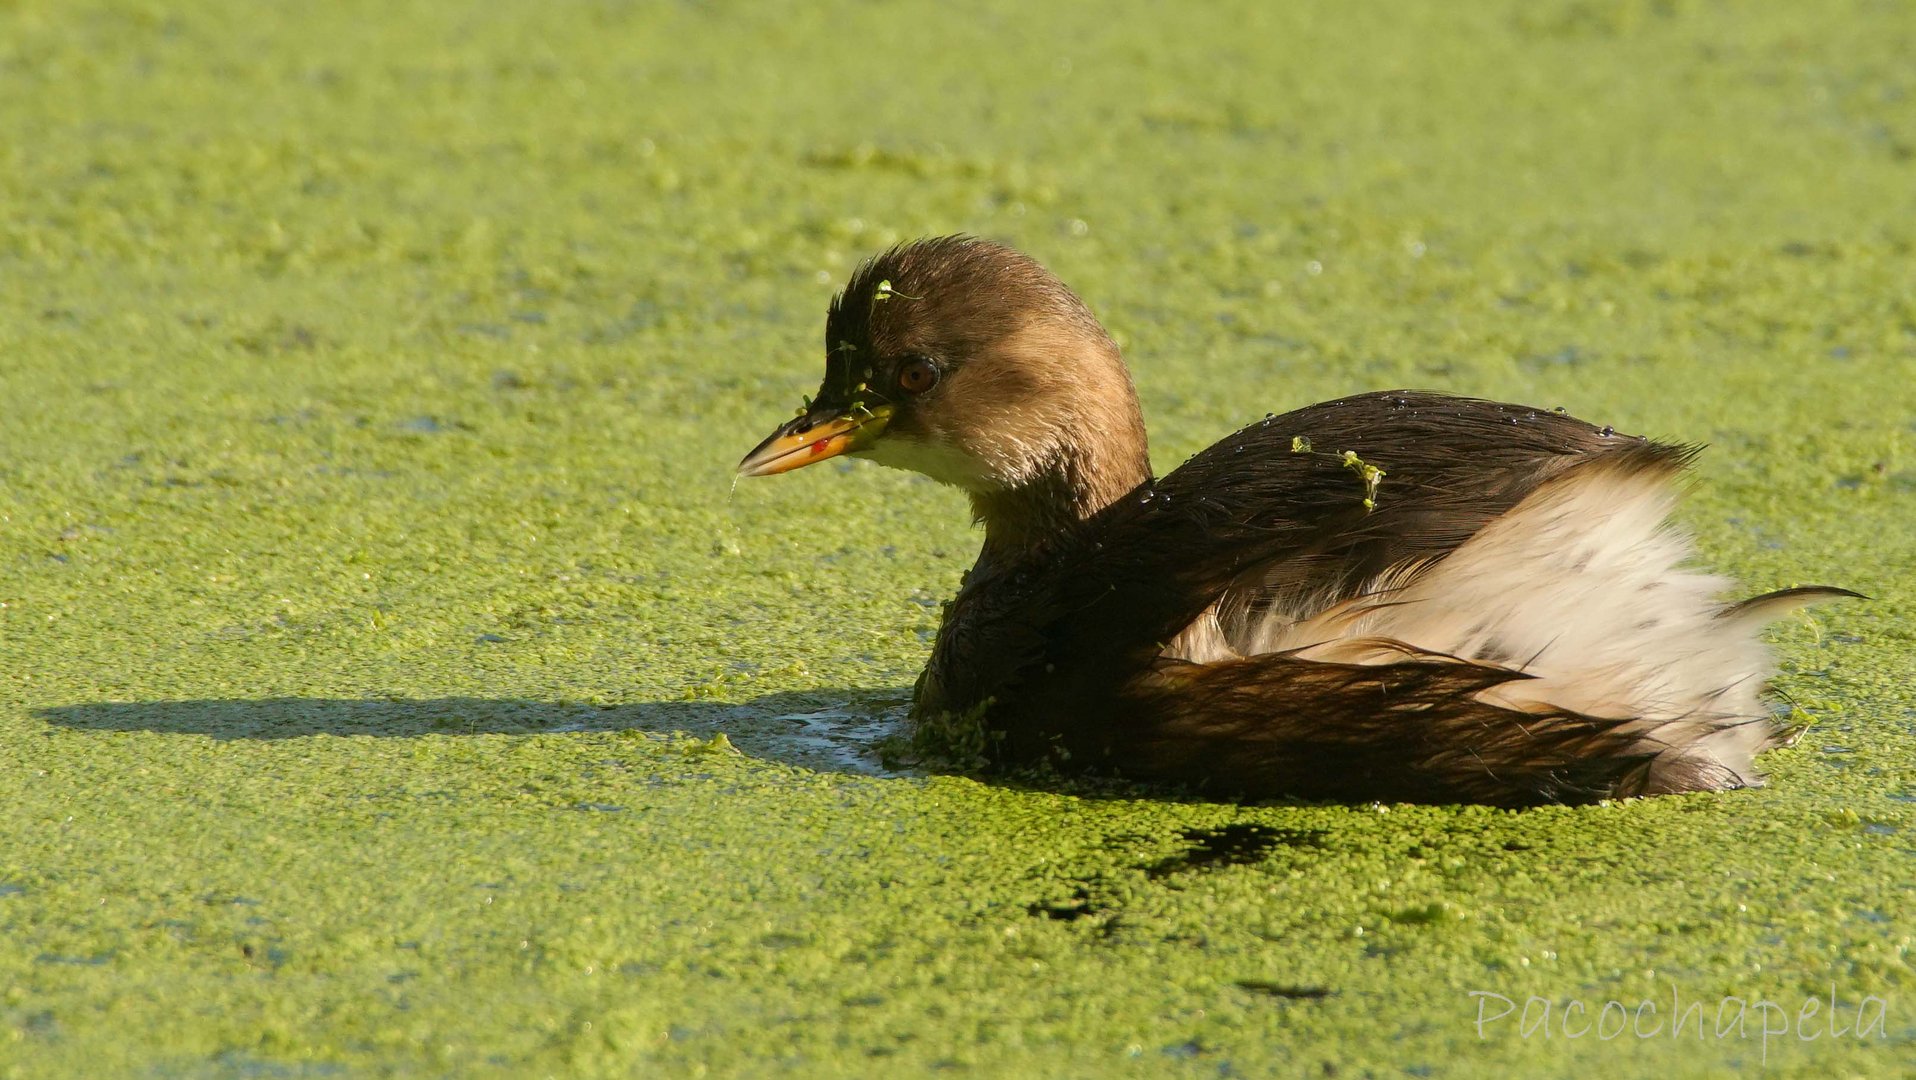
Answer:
(392, 683)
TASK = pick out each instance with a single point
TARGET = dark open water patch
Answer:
(1076, 906)
(1236, 844)
(1096, 899)
(1282, 990)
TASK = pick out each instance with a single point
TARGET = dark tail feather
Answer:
(1775, 605)
(1411, 731)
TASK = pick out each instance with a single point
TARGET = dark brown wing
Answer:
(1273, 508)
(1449, 466)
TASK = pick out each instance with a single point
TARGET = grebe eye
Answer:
(917, 375)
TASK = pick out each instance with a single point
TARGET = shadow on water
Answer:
(836, 731)
(863, 732)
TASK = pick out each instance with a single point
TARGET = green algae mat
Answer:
(392, 682)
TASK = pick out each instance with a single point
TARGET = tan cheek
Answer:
(1005, 421)
(1012, 444)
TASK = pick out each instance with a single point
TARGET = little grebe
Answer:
(1394, 596)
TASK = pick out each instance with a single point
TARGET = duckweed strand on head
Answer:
(884, 291)
(1371, 475)
(1300, 444)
